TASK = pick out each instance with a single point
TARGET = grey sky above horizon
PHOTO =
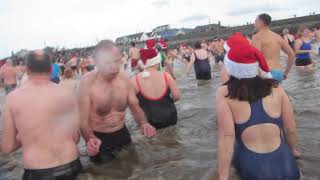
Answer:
(33, 24)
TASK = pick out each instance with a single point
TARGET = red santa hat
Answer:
(150, 43)
(184, 45)
(243, 60)
(148, 54)
(163, 44)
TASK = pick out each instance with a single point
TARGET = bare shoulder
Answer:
(277, 36)
(16, 94)
(125, 79)
(123, 76)
(89, 78)
(257, 36)
(278, 91)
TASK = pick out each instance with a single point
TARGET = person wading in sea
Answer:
(270, 44)
(43, 120)
(9, 74)
(157, 91)
(303, 49)
(255, 119)
(104, 96)
(200, 61)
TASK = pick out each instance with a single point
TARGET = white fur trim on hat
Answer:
(241, 70)
(154, 61)
(226, 47)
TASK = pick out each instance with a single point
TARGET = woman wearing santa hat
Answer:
(157, 91)
(256, 125)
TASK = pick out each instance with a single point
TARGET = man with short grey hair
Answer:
(104, 97)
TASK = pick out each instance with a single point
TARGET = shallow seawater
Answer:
(187, 151)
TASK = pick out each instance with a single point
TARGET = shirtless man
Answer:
(217, 47)
(186, 52)
(270, 45)
(134, 55)
(9, 74)
(104, 97)
(47, 129)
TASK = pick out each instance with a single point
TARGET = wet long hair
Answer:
(250, 89)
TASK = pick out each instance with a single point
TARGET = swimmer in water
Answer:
(270, 44)
(255, 119)
(46, 127)
(303, 49)
(157, 91)
(104, 96)
(9, 74)
(200, 61)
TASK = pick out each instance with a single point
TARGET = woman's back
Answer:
(261, 151)
(153, 86)
(201, 54)
(156, 94)
(262, 136)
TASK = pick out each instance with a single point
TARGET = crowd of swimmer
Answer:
(256, 124)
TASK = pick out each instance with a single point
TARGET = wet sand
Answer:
(187, 151)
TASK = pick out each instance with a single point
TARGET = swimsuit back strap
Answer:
(258, 116)
(195, 55)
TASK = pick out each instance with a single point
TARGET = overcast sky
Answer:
(32, 24)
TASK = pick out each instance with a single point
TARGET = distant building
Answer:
(161, 28)
(166, 32)
(184, 31)
(207, 28)
(125, 40)
(157, 33)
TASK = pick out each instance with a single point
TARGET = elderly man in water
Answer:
(270, 44)
(104, 96)
(42, 119)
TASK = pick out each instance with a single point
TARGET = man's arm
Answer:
(138, 114)
(226, 134)
(84, 110)
(288, 50)
(10, 142)
(134, 106)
